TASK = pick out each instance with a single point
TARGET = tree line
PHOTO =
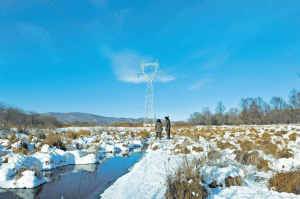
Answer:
(252, 111)
(11, 117)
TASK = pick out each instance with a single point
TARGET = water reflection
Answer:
(79, 181)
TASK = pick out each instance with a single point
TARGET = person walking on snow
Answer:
(158, 128)
(168, 126)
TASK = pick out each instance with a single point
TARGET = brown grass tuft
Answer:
(197, 149)
(55, 140)
(286, 182)
(280, 133)
(225, 145)
(285, 153)
(213, 155)
(185, 183)
(236, 181)
(247, 145)
(254, 159)
(293, 136)
(5, 160)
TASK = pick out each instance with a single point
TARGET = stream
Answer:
(79, 181)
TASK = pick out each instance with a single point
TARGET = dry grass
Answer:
(267, 147)
(144, 134)
(247, 145)
(236, 181)
(285, 153)
(22, 149)
(155, 147)
(19, 175)
(185, 183)
(225, 145)
(213, 154)
(75, 135)
(286, 182)
(183, 149)
(293, 136)
(280, 133)
(266, 136)
(55, 140)
(197, 149)
(5, 160)
(239, 155)
(41, 136)
(254, 159)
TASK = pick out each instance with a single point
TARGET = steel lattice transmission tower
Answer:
(150, 115)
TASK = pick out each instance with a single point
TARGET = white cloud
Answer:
(99, 3)
(36, 31)
(126, 67)
(201, 83)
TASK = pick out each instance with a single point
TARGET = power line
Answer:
(68, 17)
(61, 48)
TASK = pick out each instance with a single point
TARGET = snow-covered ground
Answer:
(148, 178)
(253, 154)
(22, 157)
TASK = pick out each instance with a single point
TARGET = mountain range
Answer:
(69, 118)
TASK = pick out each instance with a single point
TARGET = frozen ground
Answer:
(147, 179)
(253, 154)
(22, 157)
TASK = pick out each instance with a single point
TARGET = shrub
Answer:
(236, 181)
(286, 182)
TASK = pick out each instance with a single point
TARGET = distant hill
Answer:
(86, 117)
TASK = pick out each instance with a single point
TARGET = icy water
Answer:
(79, 181)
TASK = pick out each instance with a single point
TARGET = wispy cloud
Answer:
(99, 3)
(201, 83)
(35, 30)
(126, 68)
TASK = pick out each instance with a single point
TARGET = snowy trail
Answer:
(146, 180)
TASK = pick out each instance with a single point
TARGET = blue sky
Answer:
(209, 51)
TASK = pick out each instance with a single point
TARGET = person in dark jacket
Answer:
(168, 126)
(158, 128)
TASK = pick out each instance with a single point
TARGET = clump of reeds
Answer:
(213, 154)
(236, 181)
(55, 140)
(285, 153)
(293, 136)
(254, 159)
(22, 149)
(197, 149)
(286, 182)
(225, 145)
(247, 145)
(185, 183)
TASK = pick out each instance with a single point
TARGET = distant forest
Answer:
(11, 117)
(252, 111)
